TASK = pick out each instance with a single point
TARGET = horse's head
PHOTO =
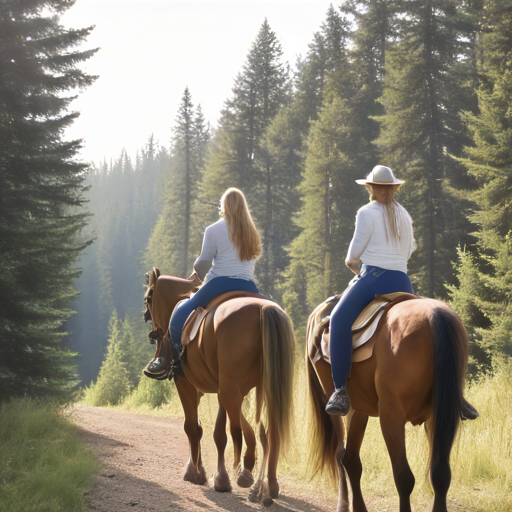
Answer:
(151, 279)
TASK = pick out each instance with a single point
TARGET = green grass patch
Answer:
(44, 467)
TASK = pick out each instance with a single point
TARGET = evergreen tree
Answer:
(124, 201)
(134, 344)
(428, 83)
(40, 195)
(330, 201)
(113, 383)
(483, 296)
(238, 157)
(170, 246)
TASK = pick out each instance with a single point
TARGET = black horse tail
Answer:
(450, 342)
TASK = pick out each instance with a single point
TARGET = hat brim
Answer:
(368, 182)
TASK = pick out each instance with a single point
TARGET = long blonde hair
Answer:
(394, 214)
(241, 228)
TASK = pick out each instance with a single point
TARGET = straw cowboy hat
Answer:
(380, 175)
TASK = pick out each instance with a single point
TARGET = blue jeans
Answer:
(369, 282)
(217, 286)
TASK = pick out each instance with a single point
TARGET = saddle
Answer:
(363, 329)
(195, 322)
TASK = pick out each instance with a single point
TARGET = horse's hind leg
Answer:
(273, 458)
(189, 397)
(352, 460)
(221, 481)
(232, 402)
(393, 429)
(246, 478)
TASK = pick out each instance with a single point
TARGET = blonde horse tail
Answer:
(323, 436)
(450, 361)
(276, 389)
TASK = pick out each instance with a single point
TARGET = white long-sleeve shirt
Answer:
(373, 242)
(220, 251)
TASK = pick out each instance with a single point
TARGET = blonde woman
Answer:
(230, 249)
(382, 243)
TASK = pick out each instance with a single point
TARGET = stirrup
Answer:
(158, 368)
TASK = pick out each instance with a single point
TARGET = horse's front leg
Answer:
(221, 481)
(190, 397)
(356, 426)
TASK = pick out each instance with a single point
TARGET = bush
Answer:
(150, 392)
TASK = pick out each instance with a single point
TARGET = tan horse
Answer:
(246, 343)
(416, 374)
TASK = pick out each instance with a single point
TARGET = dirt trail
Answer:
(143, 460)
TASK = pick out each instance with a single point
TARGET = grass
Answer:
(481, 458)
(44, 467)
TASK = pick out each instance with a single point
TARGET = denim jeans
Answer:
(369, 282)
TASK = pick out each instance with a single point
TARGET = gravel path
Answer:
(143, 460)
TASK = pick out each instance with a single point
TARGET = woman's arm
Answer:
(203, 264)
(362, 235)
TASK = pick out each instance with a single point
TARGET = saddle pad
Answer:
(363, 329)
(197, 317)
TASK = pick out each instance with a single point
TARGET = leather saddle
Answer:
(196, 320)
(363, 329)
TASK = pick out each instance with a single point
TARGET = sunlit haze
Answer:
(152, 49)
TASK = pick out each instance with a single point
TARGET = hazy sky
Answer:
(152, 49)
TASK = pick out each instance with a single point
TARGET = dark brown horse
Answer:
(245, 343)
(416, 374)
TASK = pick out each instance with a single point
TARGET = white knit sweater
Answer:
(374, 245)
(218, 249)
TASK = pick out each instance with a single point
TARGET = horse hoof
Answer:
(221, 482)
(254, 493)
(202, 478)
(245, 479)
(195, 477)
(267, 502)
(273, 489)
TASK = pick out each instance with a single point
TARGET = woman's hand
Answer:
(354, 265)
(195, 279)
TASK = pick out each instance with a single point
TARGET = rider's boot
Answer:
(339, 403)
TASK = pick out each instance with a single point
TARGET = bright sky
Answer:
(152, 49)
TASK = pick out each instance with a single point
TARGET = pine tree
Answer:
(170, 246)
(238, 157)
(485, 279)
(330, 201)
(428, 83)
(40, 196)
(124, 201)
(113, 383)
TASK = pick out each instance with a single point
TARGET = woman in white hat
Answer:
(382, 243)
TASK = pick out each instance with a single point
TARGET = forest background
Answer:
(421, 86)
